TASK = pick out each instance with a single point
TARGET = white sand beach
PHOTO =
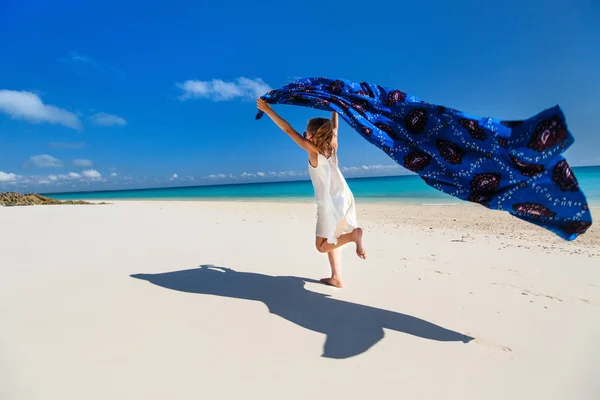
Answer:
(119, 301)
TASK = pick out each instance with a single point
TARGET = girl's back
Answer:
(336, 213)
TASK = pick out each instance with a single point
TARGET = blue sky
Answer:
(122, 94)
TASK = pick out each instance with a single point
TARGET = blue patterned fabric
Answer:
(513, 166)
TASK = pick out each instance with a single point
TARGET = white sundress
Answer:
(336, 210)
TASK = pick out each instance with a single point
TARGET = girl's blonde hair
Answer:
(322, 135)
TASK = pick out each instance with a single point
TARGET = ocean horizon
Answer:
(397, 188)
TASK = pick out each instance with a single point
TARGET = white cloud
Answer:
(173, 177)
(57, 179)
(375, 170)
(29, 107)
(114, 174)
(83, 163)
(44, 182)
(253, 87)
(363, 170)
(371, 168)
(219, 90)
(44, 161)
(7, 177)
(288, 173)
(280, 174)
(92, 174)
(104, 119)
(354, 169)
(216, 176)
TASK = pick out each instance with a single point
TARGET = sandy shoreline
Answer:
(117, 301)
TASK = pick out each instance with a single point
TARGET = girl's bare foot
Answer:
(360, 251)
(336, 282)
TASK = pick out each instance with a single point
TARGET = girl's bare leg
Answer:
(336, 269)
(354, 237)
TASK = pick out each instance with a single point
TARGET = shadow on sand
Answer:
(351, 329)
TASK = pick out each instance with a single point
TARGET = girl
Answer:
(336, 213)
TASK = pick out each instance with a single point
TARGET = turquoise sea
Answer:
(382, 189)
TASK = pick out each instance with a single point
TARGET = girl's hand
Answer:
(262, 105)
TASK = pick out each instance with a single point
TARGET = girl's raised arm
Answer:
(286, 127)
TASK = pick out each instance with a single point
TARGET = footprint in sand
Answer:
(526, 292)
